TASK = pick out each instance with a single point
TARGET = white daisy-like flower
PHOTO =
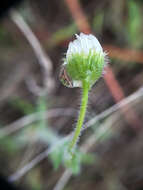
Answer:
(85, 61)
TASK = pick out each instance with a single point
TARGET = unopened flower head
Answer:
(85, 60)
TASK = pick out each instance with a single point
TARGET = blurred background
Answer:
(37, 113)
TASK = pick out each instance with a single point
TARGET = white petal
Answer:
(95, 43)
(84, 44)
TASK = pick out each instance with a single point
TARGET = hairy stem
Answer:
(84, 101)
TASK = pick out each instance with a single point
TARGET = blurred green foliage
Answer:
(97, 22)
(62, 34)
(22, 105)
(135, 27)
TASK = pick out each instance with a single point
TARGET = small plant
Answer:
(83, 66)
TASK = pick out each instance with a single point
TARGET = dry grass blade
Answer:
(21, 172)
(42, 57)
(27, 120)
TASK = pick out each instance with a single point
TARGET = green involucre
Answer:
(89, 68)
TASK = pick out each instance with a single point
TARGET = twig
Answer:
(29, 166)
(63, 180)
(43, 59)
(118, 94)
(130, 99)
(16, 75)
(27, 120)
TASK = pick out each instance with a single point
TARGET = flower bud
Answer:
(85, 61)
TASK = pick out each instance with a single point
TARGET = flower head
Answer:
(85, 60)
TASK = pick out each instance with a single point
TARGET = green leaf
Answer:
(74, 164)
(56, 157)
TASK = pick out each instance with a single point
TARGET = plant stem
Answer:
(84, 101)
